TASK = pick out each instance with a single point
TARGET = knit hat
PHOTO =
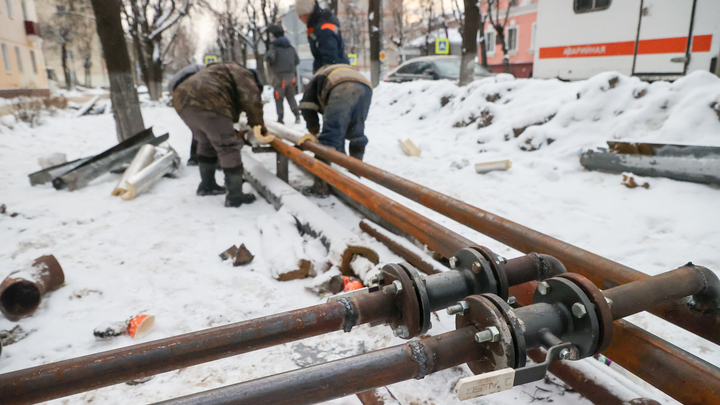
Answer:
(303, 7)
(276, 30)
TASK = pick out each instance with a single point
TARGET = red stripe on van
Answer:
(701, 43)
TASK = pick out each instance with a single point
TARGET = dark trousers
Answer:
(215, 136)
(284, 84)
(344, 117)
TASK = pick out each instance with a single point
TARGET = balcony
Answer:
(32, 29)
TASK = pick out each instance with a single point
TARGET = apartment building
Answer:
(520, 32)
(22, 55)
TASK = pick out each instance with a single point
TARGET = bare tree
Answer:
(183, 50)
(399, 36)
(148, 22)
(470, 27)
(123, 94)
(499, 26)
(354, 38)
(429, 18)
(69, 26)
(375, 30)
(260, 16)
(229, 31)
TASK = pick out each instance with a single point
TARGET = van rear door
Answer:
(662, 45)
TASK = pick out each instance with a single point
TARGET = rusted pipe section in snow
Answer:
(569, 317)
(410, 257)
(435, 236)
(603, 272)
(60, 379)
(20, 292)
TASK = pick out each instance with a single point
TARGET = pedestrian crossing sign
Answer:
(353, 59)
(210, 59)
(442, 46)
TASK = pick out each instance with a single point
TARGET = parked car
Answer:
(432, 68)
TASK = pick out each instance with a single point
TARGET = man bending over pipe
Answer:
(343, 96)
(209, 102)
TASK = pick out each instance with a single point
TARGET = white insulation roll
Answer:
(144, 179)
(142, 159)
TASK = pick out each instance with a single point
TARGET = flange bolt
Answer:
(579, 310)
(402, 331)
(458, 309)
(568, 354)
(394, 288)
(490, 334)
(453, 262)
(544, 288)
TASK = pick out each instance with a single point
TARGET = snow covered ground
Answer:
(158, 254)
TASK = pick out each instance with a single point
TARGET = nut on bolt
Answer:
(544, 288)
(395, 288)
(453, 262)
(402, 331)
(579, 310)
(490, 334)
(569, 354)
(458, 309)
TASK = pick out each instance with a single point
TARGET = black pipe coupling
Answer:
(569, 317)
(476, 270)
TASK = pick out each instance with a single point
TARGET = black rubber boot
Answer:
(234, 181)
(208, 185)
(358, 152)
(193, 161)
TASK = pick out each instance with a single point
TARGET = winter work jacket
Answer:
(326, 42)
(282, 57)
(318, 90)
(224, 88)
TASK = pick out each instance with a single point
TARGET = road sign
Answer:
(353, 59)
(210, 59)
(442, 46)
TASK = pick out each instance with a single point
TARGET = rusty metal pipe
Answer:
(348, 376)
(602, 272)
(689, 280)
(532, 267)
(20, 292)
(435, 236)
(94, 371)
(415, 260)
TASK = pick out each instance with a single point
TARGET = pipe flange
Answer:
(422, 296)
(407, 302)
(503, 289)
(482, 313)
(516, 328)
(583, 329)
(602, 309)
(483, 274)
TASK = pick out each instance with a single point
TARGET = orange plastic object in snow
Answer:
(140, 325)
(350, 284)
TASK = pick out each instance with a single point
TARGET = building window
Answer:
(19, 59)
(6, 59)
(9, 8)
(490, 42)
(32, 61)
(24, 10)
(584, 6)
(533, 36)
(513, 3)
(511, 39)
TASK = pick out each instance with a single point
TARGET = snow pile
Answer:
(535, 113)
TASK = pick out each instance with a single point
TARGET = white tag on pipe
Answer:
(485, 383)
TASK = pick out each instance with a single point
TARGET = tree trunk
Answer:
(154, 79)
(500, 30)
(66, 69)
(126, 108)
(260, 60)
(469, 42)
(375, 29)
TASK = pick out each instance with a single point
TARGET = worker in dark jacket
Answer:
(343, 96)
(282, 60)
(209, 102)
(324, 36)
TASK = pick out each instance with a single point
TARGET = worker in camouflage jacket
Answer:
(282, 59)
(323, 31)
(210, 102)
(343, 96)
